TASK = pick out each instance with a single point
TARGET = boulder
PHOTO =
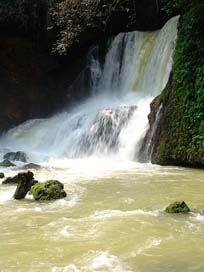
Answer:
(25, 182)
(49, 190)
(6, 163)
(11, 180)
(1, 175)
(31, 166)
(16, 156)
(178, 207)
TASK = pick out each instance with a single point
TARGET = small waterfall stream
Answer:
(113, 120)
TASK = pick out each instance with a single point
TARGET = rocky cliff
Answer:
(179, 137)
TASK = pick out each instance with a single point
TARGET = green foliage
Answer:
(74, 18)
(174, 7)
(182, 136)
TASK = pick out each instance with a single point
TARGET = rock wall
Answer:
(179, 137)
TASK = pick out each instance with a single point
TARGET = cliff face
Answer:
(179, 138)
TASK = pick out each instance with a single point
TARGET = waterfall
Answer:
(112, 121)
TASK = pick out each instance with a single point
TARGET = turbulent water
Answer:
(113, 218)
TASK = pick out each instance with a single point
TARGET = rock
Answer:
(31, 166)
(16, 156)
(25, 182)
(6, 163)
(1, 175)
(178, 207)
(49, 190)
(11, 180)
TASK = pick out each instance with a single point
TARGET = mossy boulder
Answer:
(11, 180)
(178, 207)
(1, 175)
(49, 190)
(25, 182)
(6, 163)
(16, 156)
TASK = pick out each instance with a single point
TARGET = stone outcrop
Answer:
(31, 166)
(16, 156)
(25, 182)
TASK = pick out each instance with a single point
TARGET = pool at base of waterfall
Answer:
(112, 219)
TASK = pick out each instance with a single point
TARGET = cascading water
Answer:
(113, 121)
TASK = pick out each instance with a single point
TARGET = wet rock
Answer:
(1, 175)
(11, 180)
(16, 156)
(31, 166)
(49, 190)
(178, 207)
(6, 163)
(25, 182)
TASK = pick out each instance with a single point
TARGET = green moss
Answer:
(6, 163)
(49, 190)
(181, 139)
(1, 175)
(177, 207)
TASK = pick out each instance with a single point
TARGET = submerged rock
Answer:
(178, 207)
(31, 166)
(6, 163)
(11, 180)
(25, 182)
(49, 190)
(16, 156)
(1, 175)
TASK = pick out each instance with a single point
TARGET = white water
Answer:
(113, 121)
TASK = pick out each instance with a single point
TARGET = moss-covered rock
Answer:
(11, 180)
(1, 175)
(25, 182)
(178, 207)
(6, 163)
(180, 132)
(49, 190)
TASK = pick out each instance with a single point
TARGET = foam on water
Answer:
(96, 261)
(100, 215)
(6, 196)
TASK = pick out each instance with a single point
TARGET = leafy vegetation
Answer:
(73, 18)
(182, 132)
